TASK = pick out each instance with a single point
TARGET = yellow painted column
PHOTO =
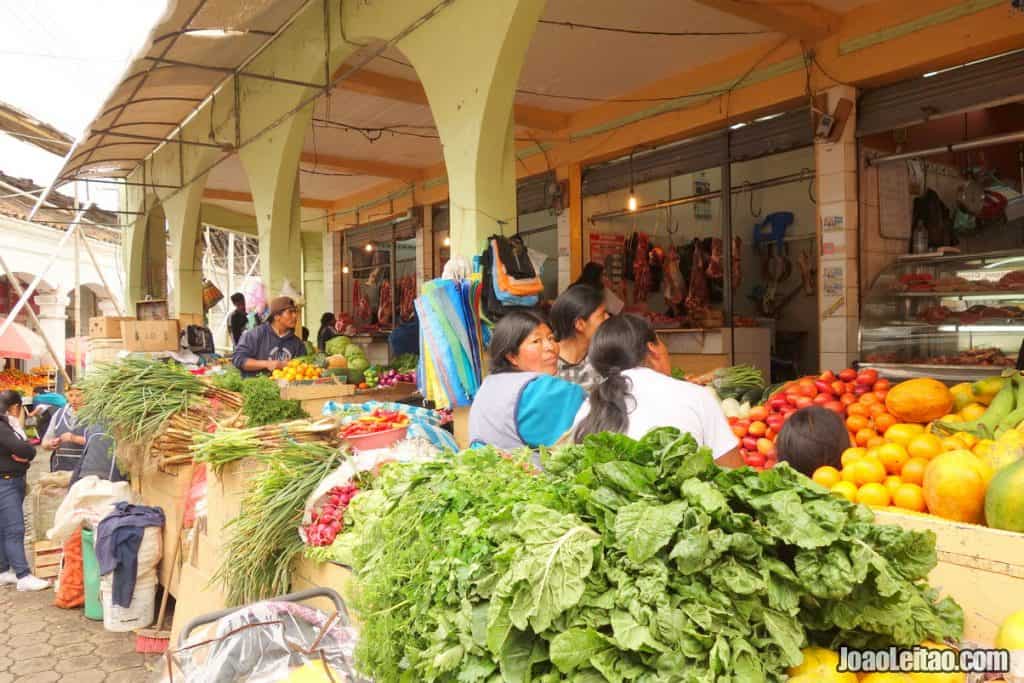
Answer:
(271, 163)
(182, 210)
(472, 105)
(313, 284)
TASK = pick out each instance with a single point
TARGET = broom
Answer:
(156, 640)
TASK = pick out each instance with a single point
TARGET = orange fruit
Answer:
(954, 486)
(909, 497)
(855, 423)
(873, 493)
(827, 476)
(876, 442)
(925, 446)
(868, 399)
(903, 432)
(864, 435)
(883, 421)
(852, 454)
(876, 409)
(892, 482)
(847, 490)
(857, 410)
(913, 470)
(954, 443)
(865, 471)
(893, 456)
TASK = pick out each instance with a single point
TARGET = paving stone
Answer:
(24, 667)
(22, 641)
(68, 665)
(22, 627)
(5, 662)
(75, 650)
(41, 677)
(6, 678)
(123, 661)
(33, 651)
(89, 676)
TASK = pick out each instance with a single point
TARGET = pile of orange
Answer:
(887, 471)
(867, 419)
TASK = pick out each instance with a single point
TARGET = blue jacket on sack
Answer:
(118, 537)
(262, 343)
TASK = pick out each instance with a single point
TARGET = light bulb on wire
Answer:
(344, 269)
(368, 247)
(631, 202)
(447, 241)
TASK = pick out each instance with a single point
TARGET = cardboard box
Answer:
(324, 389)
(152, 309)
(151, 335)
(187, 319)
(106, 327)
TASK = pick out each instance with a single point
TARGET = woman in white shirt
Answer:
(638, 394)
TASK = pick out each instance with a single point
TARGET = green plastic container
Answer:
(91, 571)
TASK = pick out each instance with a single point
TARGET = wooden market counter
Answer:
(699, 350)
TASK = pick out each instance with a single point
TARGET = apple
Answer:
(823, 387)
(848, 375)
(794, 399)
(867, 377)
(804, 402)
(882, 385)
(836, 407)
(838, 388)
(822, 399)
(765, 447)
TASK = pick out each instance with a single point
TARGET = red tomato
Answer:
(757, 428)
(770, 434)
(836, 407)
(848, 399)
(822, 399)
(848, 375)
(793, 399)
(750, 443)
(867, 377)
(823, 387)
(777, 403)
(827, 376)
(775, 422)
(755, 460)
(882, 385)
(804, 402)
(838, 388)
(861, 389)
(765, 447)
(807, 388)
(758, 413)
(743, 422)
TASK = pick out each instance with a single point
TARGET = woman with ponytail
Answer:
(638, 394)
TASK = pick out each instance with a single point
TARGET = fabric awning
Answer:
(71, 350)
(16, 342)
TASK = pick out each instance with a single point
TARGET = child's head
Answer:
(811, 438)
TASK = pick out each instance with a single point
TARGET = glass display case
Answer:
(951, 317)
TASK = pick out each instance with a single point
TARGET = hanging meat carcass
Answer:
(641, 269)
(673, 287)
(384, 308)
(698, 296)
(737, 271)
(360, 303)
(406, 297)
(714, 270)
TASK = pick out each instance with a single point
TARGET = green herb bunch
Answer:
(262, 403)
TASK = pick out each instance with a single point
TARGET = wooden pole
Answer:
(103, 279)
(78, 309)
(42, 333)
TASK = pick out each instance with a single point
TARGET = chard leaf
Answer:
(704, 495)
(788, 634)
(629, 634)
(627, 477)
(573, 649)
(642, 529)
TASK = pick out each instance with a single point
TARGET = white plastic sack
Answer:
(288, 290)
(88, 501)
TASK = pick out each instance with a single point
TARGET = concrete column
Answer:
(182, 210)
(330, 265)
(425, 246)
(313, 279)
(53, 319)
(472, 106)
(272, 166)
(836, 187)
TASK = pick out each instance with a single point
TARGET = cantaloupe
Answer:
(919, 400)
(1004, 500)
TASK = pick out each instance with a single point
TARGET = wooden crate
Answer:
(981, 568)
(329, 389)
(309, 574)
(106, 327)
(46, 558)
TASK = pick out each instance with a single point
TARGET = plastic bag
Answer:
(268, 641)
(89, 500)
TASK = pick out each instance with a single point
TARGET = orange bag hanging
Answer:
(71, 591)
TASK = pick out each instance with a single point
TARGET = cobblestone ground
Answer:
(40, 642)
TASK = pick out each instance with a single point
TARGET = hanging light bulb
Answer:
(447, 241)
(344, 269)
(368, 247)
(631, 202)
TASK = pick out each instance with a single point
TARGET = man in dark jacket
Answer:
(239, 319)
(15, 456)
(271, 345)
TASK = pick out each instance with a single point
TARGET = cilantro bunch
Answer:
(626, 561)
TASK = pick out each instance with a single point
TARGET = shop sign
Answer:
(608, 249)
(833, 236)
(834, 280)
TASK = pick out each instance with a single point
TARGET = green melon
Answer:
(1004, 500)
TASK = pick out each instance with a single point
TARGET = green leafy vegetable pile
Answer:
(228, 380)
(263, 405)
(624, 561)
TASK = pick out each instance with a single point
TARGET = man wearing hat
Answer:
(271, 345)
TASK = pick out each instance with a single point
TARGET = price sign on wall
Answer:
(609, 250)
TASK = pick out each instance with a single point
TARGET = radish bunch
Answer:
(329, 518)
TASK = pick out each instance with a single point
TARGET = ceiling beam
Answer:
(804, 21)
(381, 169)
(403, 90)
(233, 196)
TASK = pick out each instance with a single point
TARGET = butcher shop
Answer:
(942, 221)
(713, 239)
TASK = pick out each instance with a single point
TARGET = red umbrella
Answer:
(12, 345)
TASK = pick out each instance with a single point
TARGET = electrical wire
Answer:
(641, 32)
(814, 60)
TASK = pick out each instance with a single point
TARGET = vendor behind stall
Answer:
(327, 331)
(521, 403)
(575, 317)
(638, 394)
(271, 345)
(65, 436)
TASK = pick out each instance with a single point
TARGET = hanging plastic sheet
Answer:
(450, 345)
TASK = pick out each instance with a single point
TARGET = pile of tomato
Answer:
(379, 420)
(857, 397)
